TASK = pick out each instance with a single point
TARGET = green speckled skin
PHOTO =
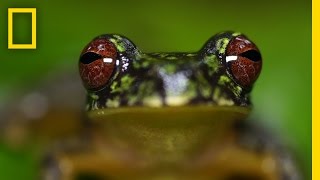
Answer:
(170, 79)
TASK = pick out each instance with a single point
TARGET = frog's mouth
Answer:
(183, 113)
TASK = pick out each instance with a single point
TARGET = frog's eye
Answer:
(97, 63)
(243, 60)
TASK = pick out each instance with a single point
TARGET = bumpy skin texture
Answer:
(170, 79)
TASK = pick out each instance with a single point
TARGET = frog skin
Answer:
(170, 115)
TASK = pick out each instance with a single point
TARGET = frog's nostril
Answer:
(89, 57)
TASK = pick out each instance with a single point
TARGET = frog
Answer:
(175, 115)
(166, 115)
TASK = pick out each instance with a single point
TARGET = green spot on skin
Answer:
(114, 87)
(171, 58)
(113, 102)
(119, 45)
(125, 85)
(237, 90)
(236, 34)
(117, 36)
(225, 102)
(145, 63)
(191, 55)
(136, 64)
(94, 96)
(169, 68)
(163, 55)
(218, 43)
(224, 43)
(224, 80)
(213, 64)
(126, 82)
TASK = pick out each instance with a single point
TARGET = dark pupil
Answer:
(253, 55)
(89, 57)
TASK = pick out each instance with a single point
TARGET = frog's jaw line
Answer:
(169, 101)
(201, 110)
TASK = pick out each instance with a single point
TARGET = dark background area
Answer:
(281, 29)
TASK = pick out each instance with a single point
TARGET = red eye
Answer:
(97, 63)
(244, 60)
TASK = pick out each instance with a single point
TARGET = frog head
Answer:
(168, 103)
(117, 74)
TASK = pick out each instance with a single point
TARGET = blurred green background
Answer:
(281, 29)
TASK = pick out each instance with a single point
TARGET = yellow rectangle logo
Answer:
(33, 44)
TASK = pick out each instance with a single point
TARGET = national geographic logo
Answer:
(33, 44)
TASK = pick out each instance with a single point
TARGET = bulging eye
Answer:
(244, 60)
(97, 63)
